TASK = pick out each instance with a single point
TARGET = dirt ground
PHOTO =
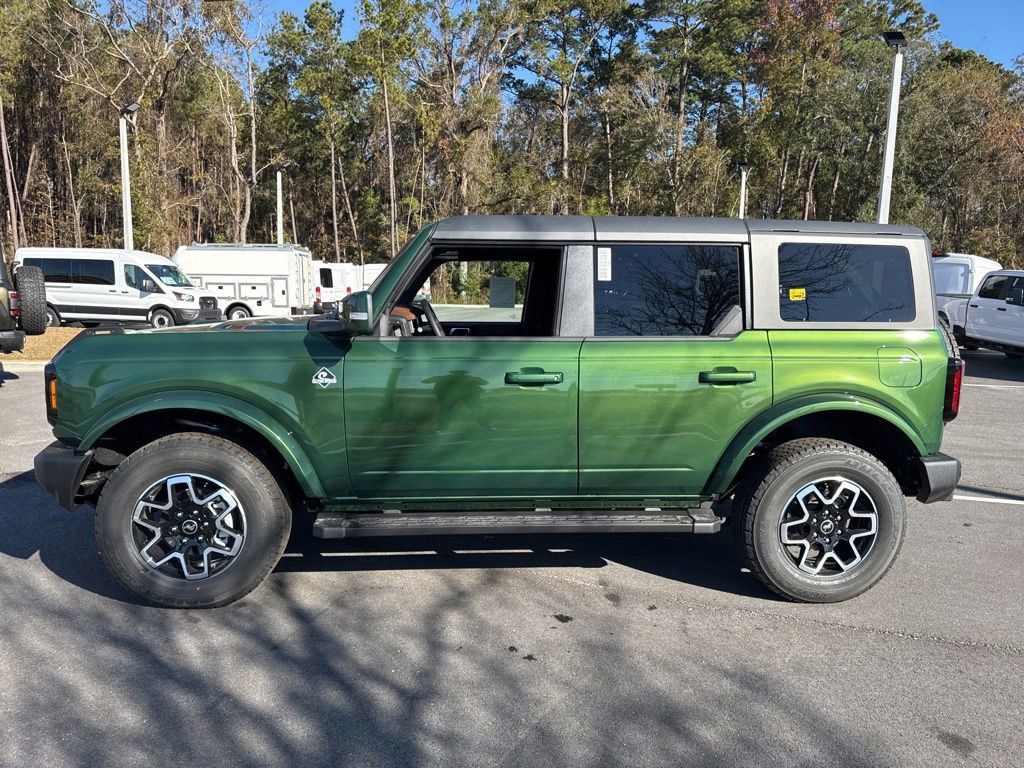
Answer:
(46, 346)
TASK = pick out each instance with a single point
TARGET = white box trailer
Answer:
(252, 280)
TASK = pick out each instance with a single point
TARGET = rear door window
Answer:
(845, 283)
(326, 278)
(664, 290)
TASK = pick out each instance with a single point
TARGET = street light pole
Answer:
(126, 184)
(280, 209)
(897, 41)
(744, 170)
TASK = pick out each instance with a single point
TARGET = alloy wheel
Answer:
(188, 526)
(829, 526)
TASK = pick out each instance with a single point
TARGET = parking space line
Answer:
(997, 386)
(1015, 502)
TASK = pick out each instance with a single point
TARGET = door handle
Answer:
(1000, 309)
(112, 290)
(532, 378)
(726, 376)
(974, 306)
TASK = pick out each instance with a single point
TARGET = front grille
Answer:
(207, 302)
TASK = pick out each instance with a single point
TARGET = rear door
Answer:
(666, 382)
(987, 311)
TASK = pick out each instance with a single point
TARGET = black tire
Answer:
(52, 317)
(950, 337)
(267, 520)
(32, 295)
(237, 312)
(161, 318)
(765, 495)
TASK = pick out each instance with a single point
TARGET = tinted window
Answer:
(664, 290)
(326, 278)
(54, 270)
(995, 287)
(92, 272)
(841, 283)
(951, 277)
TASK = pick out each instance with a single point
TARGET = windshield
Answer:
(168, 274)
(952, 277)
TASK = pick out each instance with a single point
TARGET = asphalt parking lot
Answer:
(579, 651)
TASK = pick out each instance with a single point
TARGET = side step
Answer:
(331, 525)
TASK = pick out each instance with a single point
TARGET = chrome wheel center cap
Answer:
(189, 527)
(826, 527)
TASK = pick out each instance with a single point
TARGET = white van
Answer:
(108, 284)
(995, 313)
(252, 280)
(333, 281)
(957, 277)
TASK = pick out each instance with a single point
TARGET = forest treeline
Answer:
(437, 107)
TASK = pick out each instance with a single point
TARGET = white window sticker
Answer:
(604, 265)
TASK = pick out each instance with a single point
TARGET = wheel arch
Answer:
(868, 425)
(139, 422)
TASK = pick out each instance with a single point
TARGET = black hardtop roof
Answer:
(651, 228)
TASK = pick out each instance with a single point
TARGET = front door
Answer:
(476, 396)
(671, 376)
(450, 417)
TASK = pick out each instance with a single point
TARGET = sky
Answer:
(990, 27)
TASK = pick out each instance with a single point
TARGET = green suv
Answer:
(788, 379)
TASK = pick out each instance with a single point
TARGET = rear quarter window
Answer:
(845, 283)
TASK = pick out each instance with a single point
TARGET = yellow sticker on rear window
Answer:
(798, 294)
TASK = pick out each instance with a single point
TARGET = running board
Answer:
(330, 525)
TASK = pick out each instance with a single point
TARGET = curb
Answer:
(23, 366)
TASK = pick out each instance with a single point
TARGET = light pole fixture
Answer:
(744, 168)
(897, 41)
(126, 183)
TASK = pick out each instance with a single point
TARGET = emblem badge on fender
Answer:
(324, 378)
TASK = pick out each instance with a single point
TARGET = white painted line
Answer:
(996, 386)
(1015, 502)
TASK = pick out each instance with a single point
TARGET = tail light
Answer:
(318, 293)
(954, 381)
(15, 304)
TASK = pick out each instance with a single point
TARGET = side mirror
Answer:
(148, 286)
(354, 318)
(1016, 296)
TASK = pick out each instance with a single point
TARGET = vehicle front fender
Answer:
(782, 413)
(211, 402)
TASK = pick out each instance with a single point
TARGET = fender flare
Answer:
(252, 416)
(782, 413)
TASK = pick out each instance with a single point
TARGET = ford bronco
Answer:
(789, 379)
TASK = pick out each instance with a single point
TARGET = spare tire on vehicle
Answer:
(32, 296)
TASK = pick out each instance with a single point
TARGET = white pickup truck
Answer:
(995, 313)
(957, 278)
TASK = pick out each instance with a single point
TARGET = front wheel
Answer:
(238, 313)
(192, 521)
(819, 520)
(161, 318)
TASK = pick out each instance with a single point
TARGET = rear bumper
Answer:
(939, 475)
(59, 470)
(12, 341)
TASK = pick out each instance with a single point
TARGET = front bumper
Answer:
(60, 470)
(12, 341)
(939, 475)
(196, 315)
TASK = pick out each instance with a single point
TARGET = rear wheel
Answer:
(192, 521)
(32, 296)
(819, 520)
(52, 317)
(238, 313)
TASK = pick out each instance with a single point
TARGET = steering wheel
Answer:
(423, 306)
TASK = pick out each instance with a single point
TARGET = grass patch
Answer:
(46, 346)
